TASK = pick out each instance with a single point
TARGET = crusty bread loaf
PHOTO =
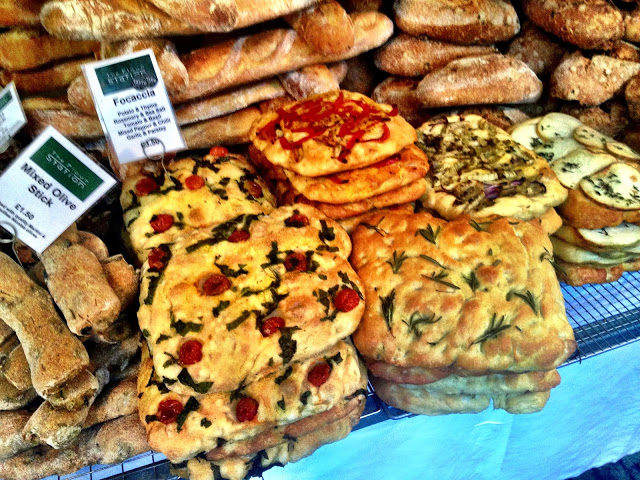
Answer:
(227, 15)
(480, 80)
(361, 76)
(49, 79)
(401, 91)
(269, 53)
(44, 111)
(109, 20)
(585, 23)
(410, 56)
(632, 25)
(591, 81)
(537, 49)
(326, 27)
(11, 425)
(231, 129)
(458, 21)
(309, 81)
(27, 48)
(20, 12)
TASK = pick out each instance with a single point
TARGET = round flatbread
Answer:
(330, 133)
(254, 294)
(409, 165)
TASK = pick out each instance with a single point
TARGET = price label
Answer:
(48, 187)
(134, 106)
(12, 117)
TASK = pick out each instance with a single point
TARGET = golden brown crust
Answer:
(42, 112)
(479, 80)
(581, 211)
(122, 278)
(632, 25)
(351, 186)
(585, 23)
(401, 91)
(410, 56)
(591, 81)
(539, 51)
(48, 79)
(231, 129)
(350, 223)
(16, 370)
(483, 297)
(308, 81)
(27, 48)
(578, 275)
(117, 400)
(15, 13)
(370, 136)
(482, 21)
(11, 441)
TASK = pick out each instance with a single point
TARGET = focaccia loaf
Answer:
(480, 297)
(221, 287)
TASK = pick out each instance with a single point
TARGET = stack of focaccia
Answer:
(246, 310)
(599, 238)
(342, 153)
(459, 313)
(478, 169)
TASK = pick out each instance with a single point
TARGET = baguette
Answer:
(93, 243)
(54, 354)
(11, 398)
(591, 81)
(480, 80)
(49, 79)
(409, 56)
(28, 48)
(458, 21)
(122, 278)
(16, 370)
(325, 27)
(171, 68)
(269, 53)
(109, 20)
(15, 13)
(44, 111)
(232, 129)
(79, 286)
(309, 81)
(227, 15)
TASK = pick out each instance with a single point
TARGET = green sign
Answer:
(6, 98)
(70, 172)
(135, 73)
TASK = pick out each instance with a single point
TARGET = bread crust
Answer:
(49, 79)
(231, 129)
(539, 51)
(479, 80)
(480, 21)
(578, 275)
(20, 12)
(585, 23)
(308, 81)
(580, 211)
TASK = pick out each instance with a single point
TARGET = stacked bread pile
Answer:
(460, 313)
(214, 81)
(68, 379)
(246, 310)
(342, 153)
(599, 238)
(444, 56)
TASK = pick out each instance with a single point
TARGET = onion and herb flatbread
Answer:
(330, 133)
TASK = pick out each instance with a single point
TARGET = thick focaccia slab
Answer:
(479, 297)
(285, 399)
(395, 172)
(478, 169)
(330, 133)
(222, 287)
(193, 193)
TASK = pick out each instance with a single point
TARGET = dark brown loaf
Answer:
(109, 20)
(409, 56)
(458, 21)
(20, 12)
(480, 80)
(269, 53)
(537, 49)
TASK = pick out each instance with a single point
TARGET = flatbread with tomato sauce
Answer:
(330, 133)
(405, 167)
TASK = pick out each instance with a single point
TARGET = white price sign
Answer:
(12, 117)
(48, 187)
(134, 107)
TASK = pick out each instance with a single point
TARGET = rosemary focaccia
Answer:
(331, 133)
(192, 193)
(478, 169)
(223, 307)
(392, 173)
(475, 297)
(286, 403)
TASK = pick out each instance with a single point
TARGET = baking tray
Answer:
(603, 317)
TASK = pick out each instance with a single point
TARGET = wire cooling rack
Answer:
(603, 317)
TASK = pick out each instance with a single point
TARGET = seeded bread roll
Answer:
(480, 80)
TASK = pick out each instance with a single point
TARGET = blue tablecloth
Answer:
(592, 418)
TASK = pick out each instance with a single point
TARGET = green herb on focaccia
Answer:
(417, 320)
(440, 278)
(526, 297)
(429, 234)
(496, 326)
(192, 405)
(185, 378)
(388, 306)
(397, 261)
